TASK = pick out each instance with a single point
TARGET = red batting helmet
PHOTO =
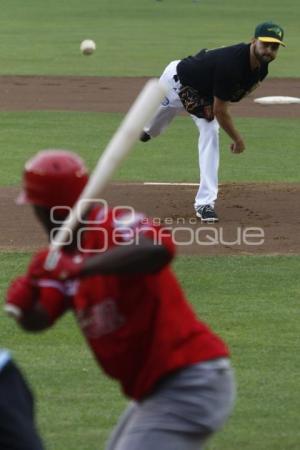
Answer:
(53, 178)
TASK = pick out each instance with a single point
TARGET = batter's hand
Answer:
(238, 146)
(67, 266)
(21, 296)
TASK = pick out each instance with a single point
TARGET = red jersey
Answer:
(140, 327)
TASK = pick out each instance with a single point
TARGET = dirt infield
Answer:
(101, 94)
(255, 218)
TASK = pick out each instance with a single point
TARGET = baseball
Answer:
(87, 47)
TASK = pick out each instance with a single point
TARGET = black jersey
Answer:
(223, 72)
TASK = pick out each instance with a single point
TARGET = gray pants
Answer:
(184, 410)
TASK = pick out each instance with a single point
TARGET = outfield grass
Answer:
(134, 37)
(251, 301)
(272, 150)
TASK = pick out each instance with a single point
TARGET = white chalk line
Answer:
(157, 183)
(152, 183)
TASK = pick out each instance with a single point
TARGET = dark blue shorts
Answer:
(17, 428)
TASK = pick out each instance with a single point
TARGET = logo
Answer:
(100, 319)
(165, 101)
(276, 30)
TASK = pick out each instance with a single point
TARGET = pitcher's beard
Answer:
(262, 59)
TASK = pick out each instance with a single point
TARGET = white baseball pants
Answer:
(208, 144)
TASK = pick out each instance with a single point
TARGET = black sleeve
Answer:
(201, 53)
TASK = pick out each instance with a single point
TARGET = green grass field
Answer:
(253, 302)
(171, 157)
(134, 37)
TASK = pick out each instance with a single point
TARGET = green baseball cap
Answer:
(269, 32)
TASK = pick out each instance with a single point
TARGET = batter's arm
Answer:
(28, 300)
(221, 112)
(144, 257)
(129, 258)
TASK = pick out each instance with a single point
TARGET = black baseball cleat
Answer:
(144, 137)
(207, 214)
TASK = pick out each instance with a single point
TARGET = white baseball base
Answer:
(277, 100)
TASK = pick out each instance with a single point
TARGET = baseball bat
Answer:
(117, 149)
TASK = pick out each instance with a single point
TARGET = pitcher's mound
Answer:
(254, 218)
